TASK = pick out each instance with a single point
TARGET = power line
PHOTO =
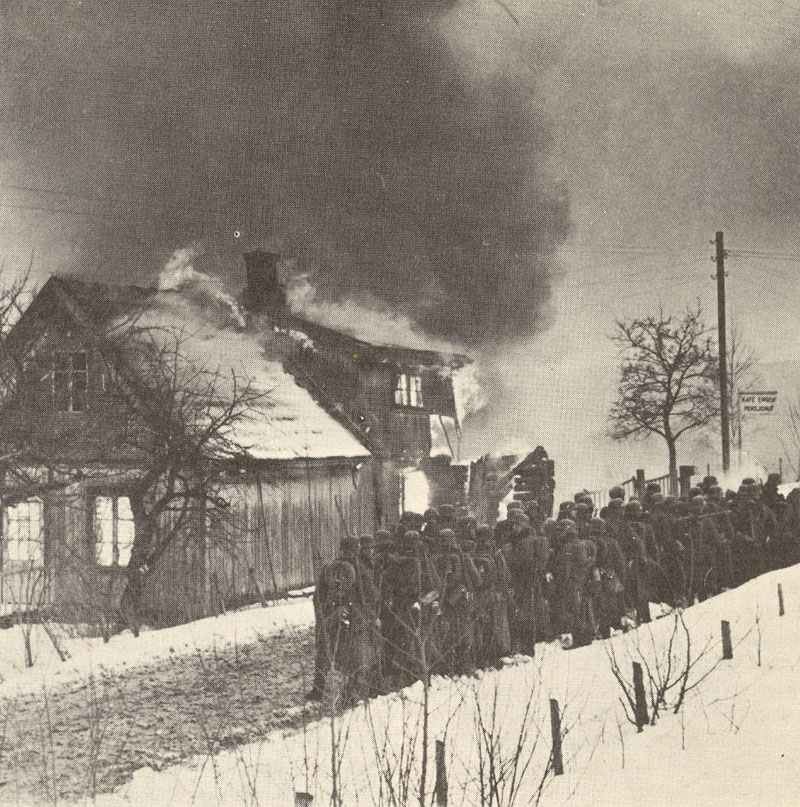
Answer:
(624, 249)
(764, 255)
(99, 199)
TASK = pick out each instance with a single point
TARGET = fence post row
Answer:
(781, 610)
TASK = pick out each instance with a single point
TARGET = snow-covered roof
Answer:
(287, 423)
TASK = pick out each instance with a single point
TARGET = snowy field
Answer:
(734, 740)
(124, 651)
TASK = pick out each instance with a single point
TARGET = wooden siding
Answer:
(298, 528)
(208, 567)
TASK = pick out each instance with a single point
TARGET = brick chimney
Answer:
(264, 290)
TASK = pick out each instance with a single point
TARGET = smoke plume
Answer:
(358, 137)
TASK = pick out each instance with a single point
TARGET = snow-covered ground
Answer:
(736, 739)
(73, 729)
(124, 651)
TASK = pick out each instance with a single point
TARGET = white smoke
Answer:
(470, 396)
(376, 325)
(742, 469)
(179, 274)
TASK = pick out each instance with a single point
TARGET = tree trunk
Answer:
(673, 464)
(138, 569)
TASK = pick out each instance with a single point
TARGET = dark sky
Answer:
(343, 133)
(428, 156)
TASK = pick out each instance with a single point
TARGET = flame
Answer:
(416, 491)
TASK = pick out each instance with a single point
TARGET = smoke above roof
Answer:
(364, 139)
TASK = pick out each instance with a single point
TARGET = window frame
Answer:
(95, 539)
(408, 390)
(68, 381)
(23, 557)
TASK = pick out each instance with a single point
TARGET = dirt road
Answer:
(89, 737)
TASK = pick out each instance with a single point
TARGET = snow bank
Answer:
(124, 651)
(736, 739)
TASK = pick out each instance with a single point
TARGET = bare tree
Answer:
(668, 379)
(164, 435)
(183, 431)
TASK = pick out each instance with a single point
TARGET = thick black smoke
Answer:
(345, 133)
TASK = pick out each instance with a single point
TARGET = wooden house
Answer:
(393, 393)
(306, 477)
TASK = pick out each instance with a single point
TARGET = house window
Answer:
(113, 530)
(70, 382)
(23, 531)
(408, 390)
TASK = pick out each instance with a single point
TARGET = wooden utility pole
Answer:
(719, 259)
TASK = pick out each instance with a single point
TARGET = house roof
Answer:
(288, 423)
(369, 351)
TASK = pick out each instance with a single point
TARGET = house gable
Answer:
(390, 392)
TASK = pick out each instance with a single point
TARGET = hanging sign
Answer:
(758, 403)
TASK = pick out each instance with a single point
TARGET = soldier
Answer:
(535, 514)
(447, 517)
(614, 518)
(367, 553)
(640, 548)
(576, 563)
(502, 529)
(617, 492)
(346, 602)
(493, 633)
(404, 582)
(612, 568)
(566, 510)
(583, 515)
(467, 528)
(455, 627)
(703, 541)
(708, 483)
(651, 489)
(430, 528)
(754, 525)
(520, 555)
(725, 536)
(779, 550)
(790, 526)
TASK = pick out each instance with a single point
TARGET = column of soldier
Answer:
(441, 594)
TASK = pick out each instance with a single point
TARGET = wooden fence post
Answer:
(727, 646)
(642, 718)
(555, 729)
(440, 788)
(781, 610)
(639, 483)
(685, 474)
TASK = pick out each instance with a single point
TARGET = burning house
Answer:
(393, 394)
(301, 479)
(325, 451)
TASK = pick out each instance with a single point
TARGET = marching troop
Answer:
(443, 595)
